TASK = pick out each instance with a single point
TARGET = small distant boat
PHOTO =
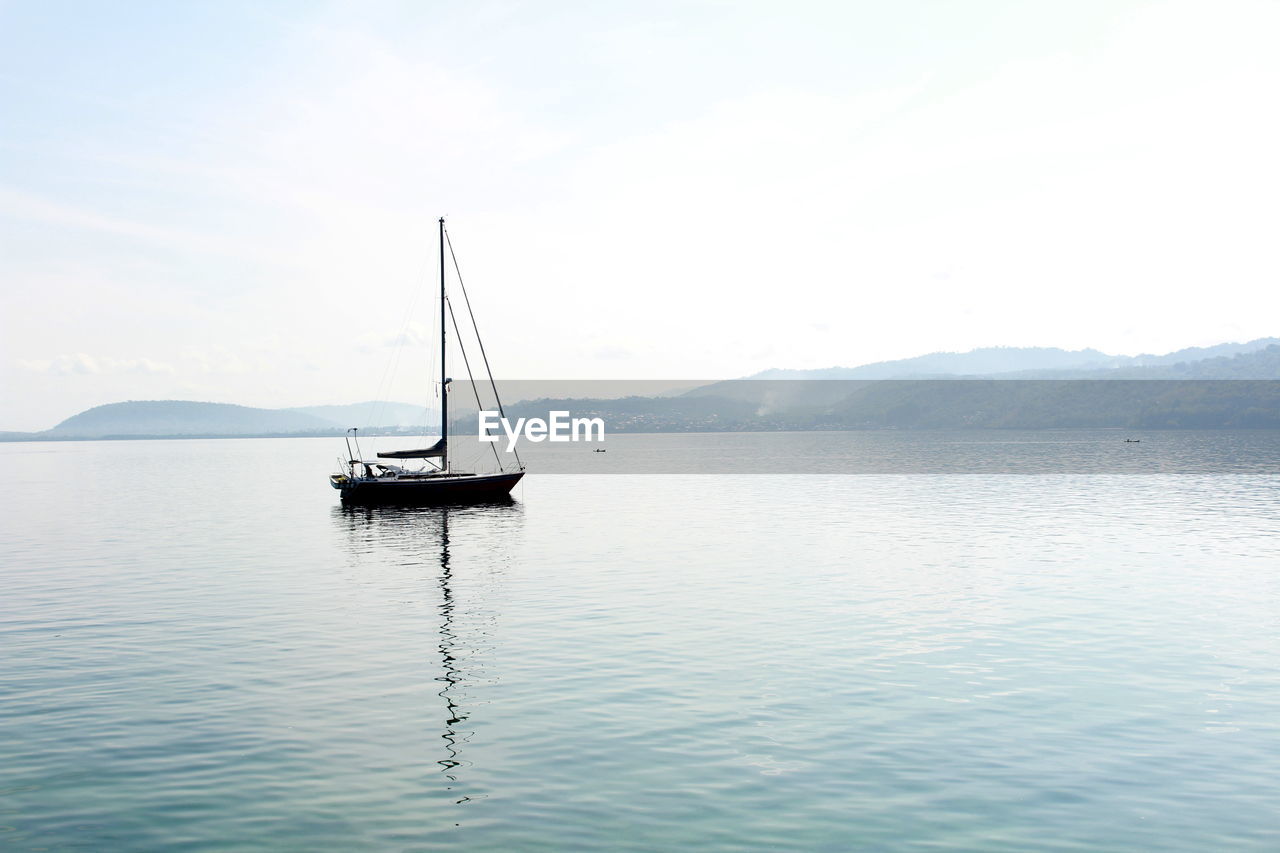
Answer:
(1132, 441)
(374, 481)
(598, 450)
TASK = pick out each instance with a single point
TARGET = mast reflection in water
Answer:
(452, 675)
(381, 535)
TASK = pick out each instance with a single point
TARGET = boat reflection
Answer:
(425, 536)
(452, 675)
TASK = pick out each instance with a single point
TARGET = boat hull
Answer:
(429, 491)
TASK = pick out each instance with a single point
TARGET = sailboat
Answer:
(365, 481)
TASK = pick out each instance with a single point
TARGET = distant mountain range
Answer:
(181, 417)
(372, 413)
(1259, 359)
(796, 399)
(170, 418)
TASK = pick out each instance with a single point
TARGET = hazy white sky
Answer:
(236, 201)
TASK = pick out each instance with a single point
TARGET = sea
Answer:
(988, 641)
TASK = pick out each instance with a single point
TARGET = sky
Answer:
(236, 201)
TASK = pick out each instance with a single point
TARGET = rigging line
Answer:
(467, 362)
(479, 340)
(475, 328)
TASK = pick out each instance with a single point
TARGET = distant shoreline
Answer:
(36, 438)
(746, 406)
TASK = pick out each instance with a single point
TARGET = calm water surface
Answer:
(199, 649)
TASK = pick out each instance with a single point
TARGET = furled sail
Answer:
(433, 452)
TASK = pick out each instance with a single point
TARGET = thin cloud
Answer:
(27, 207)
(413, 335)
(83, 364)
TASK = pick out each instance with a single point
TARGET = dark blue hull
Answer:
(431, 490)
